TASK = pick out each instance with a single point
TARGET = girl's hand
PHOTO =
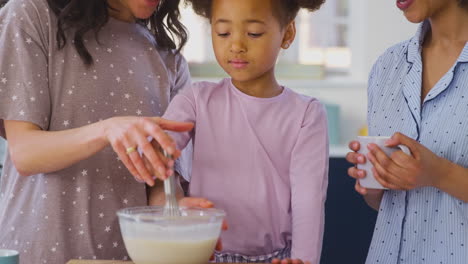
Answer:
(126, 134)
(289, 261)
(203, 203)
(193, 202)
(404, 172)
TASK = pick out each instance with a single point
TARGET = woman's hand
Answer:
(289, 261)
(168, 162)
(404, 172)
(357, 158)
(372, 196)
(126, 134)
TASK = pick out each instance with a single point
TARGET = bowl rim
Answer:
(134, 213)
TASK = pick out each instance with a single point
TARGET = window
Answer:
(321, 49)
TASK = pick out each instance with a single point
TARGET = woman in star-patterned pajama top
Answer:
(419, 88)
(62, 117)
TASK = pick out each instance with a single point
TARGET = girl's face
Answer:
(129, 10)
(247, 38)
(417, 11)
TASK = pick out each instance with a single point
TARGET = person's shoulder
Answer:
(207, 87)
(201, 92)
(395, 53)
(300, 99)
(173, 62)
(26, 11)
(171, 57)
(305, 103)
(33, 17)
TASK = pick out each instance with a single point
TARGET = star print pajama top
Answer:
(71, 213)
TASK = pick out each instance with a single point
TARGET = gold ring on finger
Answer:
(130, 150)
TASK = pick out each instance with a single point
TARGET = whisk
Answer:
(171, 208)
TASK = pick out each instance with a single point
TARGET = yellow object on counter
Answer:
(363, 131)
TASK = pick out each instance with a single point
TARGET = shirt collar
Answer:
(415, 44)
(464, 54)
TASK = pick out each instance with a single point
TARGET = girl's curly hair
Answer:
(285, 10)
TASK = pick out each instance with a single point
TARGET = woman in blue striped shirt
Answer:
(418, 94)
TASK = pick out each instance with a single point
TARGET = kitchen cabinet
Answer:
(349, 222)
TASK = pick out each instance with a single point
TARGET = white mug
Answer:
(369, 181)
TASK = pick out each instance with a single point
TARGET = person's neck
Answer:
(119, 12)
(449, 26)
(263, 87)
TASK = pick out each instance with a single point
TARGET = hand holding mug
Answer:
(400, 171)
(377, 143)
(356, 158)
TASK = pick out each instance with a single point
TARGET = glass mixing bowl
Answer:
(152, 238)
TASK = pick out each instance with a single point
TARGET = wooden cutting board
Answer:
(101, 262)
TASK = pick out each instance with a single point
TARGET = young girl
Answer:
(260, 149)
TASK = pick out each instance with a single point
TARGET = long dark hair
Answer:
(84, 16)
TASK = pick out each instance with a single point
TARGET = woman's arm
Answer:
(373, 198)
(36, 151)
(454, 181)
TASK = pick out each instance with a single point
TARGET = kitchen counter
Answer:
(74, 261)
(100, 262)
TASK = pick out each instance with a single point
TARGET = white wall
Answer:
(383, 25)
(379, 25)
